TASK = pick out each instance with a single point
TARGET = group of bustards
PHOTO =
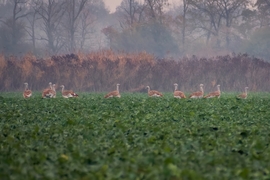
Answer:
(51, 93)
(197, 94)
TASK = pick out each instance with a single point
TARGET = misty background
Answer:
(186, 28)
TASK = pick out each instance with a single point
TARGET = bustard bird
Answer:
(178, 94)
(244, 94)
(114, 93)
(68, 93)
(153, 93)
(48, 92)
(27, 92)
(198, 94)
(214, 94)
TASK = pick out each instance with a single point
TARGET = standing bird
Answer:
(114, 93)
(68, 93)
(178, 94)
(198, 94)
(48, 92)
(27, 92)
(214, 94)
(243, 95)
(153, 93)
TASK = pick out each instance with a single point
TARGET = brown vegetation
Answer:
(100, 71)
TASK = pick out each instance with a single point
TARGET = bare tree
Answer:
(51, 12)
(155, 9)
(231, 10)
(184, 23)
(130, 12)
(261, 2)
(73, 9)
(31, 27)
(179, 22)
(13, 26)
(263, 12)
(206, 17)
(216, 12)
(19, 11)
(88, 21)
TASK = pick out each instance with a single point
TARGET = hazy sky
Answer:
(112, 4)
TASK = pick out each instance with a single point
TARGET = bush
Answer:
(100, 71)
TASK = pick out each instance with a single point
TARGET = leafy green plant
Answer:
(134, 137)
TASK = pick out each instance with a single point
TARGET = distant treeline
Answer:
(100, 71)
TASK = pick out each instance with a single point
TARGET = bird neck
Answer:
(201, 89)
(117, 88)
(175, 87)
(218, 88)
(246, 91)
(26, 87)
(51, 86)
(63, 88)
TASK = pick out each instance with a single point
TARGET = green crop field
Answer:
(134, 137)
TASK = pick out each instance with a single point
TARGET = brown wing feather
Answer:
(69, 91)
(47, 89)
(46, 92)
(179, 93)
(153, 92)
(112, 94)
(212, 94)
(26, 93)
(196, 94)
(65, 93)
(242, 96)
